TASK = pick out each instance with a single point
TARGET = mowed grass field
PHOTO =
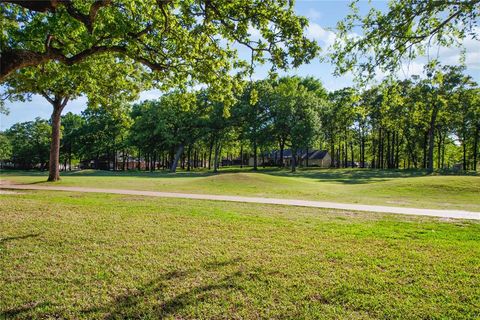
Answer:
(379, 187)
(91, 256)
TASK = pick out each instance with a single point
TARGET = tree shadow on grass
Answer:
(350, 176)
(16, 312)
(347, 176)
(150, 300)
(26, 236)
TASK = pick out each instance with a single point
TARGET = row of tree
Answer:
(428, 123)
(108, 50)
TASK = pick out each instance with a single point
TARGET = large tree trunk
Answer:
(179, 152)
(54, 163)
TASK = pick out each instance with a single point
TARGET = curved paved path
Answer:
(289, 202)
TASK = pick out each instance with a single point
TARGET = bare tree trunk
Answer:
(306, 159)
(475, 147)
(362, 157)
(332, 153)
(397, 152)
(255, 162)
(195, 158)
(210, 154)
(431, 137)
(241, 155)
(217, 152)
(282, 148)
(294, 160)
(179, 152)
(351, 153)
(425, 142)
(123, 160)
(54, 163)
(464, 146)
(439, 149)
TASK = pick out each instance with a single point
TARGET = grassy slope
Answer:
(394, 188)
(136, 257)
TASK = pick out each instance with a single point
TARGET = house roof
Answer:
(318, 155)
(304, 155)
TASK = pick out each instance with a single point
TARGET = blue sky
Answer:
(323, 15)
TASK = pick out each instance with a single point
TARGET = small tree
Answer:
(30, 143)
(59, 84)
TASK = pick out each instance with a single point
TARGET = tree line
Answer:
(430, 122)
(108, 50)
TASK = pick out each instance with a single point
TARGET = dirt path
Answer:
(289, 202)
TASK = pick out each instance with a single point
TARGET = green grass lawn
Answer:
(66, 255)
(393, 188)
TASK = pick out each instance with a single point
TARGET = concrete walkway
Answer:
(289, 202)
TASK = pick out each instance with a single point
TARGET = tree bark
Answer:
(306, 159)
(179, 152)
(439, 149)
(210, 154)
(294, 160)
(255, 164)
(217, 152)
(351, 153)
(475, 147)
(431, 137)
(189, 160)
(139, 161)
(464, 147)
(425, 143)
(241, 155)
(282, 148)
(54, 162)
(332, 153)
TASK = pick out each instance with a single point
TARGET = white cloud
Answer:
(313, 14)
(316, 32)
(452, 55)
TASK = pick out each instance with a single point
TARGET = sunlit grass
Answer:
(393, 188)
(66, 255)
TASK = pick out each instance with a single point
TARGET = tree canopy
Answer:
(381, 40)
(193, 40)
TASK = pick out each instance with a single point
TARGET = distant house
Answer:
(316, 158)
